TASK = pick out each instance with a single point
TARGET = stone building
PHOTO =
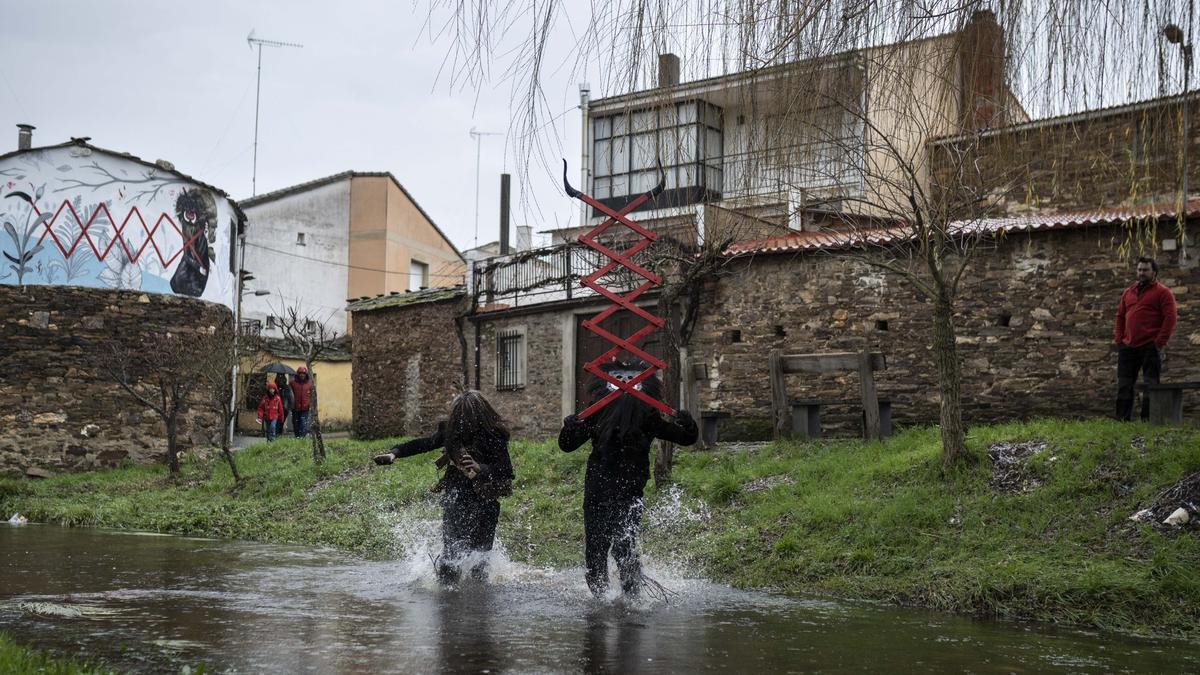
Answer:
(100, 248)
(1067, 202)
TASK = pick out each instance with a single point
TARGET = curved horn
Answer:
(662, 179)
(571, 192)
(21, 195)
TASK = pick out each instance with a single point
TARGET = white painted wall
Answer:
(314, 274)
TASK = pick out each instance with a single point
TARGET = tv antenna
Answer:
(478, 136)
(260, 43)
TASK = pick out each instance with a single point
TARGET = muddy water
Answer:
(155, 604)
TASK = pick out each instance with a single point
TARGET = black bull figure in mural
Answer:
(197, 215)
(618, 469)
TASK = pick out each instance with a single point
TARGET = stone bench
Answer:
(708, 426)
(806, 416)
(1166, 401)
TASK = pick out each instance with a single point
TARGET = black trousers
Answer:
(612, 516)
(1131, 360)
(468, 526)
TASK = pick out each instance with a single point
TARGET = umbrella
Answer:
(277, 367)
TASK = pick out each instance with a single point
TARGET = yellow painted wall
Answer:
(335, 399)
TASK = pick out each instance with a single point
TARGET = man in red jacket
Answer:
(1145, 321)
(301, 389)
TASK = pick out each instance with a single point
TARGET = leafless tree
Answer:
(160, 372)
(219, 355)
(309, 337)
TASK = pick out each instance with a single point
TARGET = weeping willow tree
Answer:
(831, 110)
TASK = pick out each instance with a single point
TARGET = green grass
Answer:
(16, 659)
(843, 518)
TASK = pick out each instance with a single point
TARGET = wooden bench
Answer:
(1166, 401)
(865, 363)
(708, 426)
(806, 416)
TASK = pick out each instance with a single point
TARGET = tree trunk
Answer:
(945, 355)
(172, 446)
(664, 461)
(314, 420)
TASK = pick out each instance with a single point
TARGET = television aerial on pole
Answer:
(478, 136)
(260, 43)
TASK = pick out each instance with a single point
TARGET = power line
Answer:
(347, 264)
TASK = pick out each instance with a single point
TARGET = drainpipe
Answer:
(585, 171)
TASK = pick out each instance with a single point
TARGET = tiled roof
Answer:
(398, 299)
(828, 240)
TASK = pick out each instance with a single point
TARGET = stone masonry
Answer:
(57, 411)
(406, 362)
(1034, 331)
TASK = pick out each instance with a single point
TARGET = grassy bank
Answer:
(18, 660)
(845, 518)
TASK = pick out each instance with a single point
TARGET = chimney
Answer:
(524, 237)
(981, 73)
(668, 70)
(25, 136)
(504, 209)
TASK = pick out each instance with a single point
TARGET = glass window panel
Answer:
(687, 175)
(643, 152)
(643, 120)
(667, 117)
(672, 178)
(712, 144)
(619, 125)
(602, 188)
(620, 154)
(687, 112)
(668, 146)
(643, 181)
(620, 186)
(602, 159)
(712, 178)
(602, 127)
(713, 115)
(688, 140)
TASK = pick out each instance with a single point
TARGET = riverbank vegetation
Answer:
(1039, 529)
(17, 659)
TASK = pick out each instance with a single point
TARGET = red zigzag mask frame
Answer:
(626, 302)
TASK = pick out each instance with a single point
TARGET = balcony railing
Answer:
(544, 275)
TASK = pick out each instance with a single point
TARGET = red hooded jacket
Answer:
(1145, 315)
(300, 391)
(270, 408)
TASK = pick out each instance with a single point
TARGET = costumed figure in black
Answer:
(617, 471)
(478, 472)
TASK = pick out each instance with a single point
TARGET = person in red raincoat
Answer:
(270, 411)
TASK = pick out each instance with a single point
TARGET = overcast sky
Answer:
(175, 80)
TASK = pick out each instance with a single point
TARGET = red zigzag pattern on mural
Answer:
(592, 281)
(132, 255)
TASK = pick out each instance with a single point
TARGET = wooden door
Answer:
(588, 346)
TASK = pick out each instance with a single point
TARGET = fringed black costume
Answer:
(470, 489)
(617, 472)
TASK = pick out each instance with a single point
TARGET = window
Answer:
(272, 322)
(510, 359)
(310, 326)
(254, 387)
(300, 239)
(418, 275)
(685, 138)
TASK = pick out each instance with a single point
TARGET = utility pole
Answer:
(260, 43)
(478, 135)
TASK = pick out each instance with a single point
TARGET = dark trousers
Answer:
(300, 423)
(1131, 360)
(612, 517)
(468, 526)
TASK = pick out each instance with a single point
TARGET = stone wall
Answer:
(535, 409)
(1129, 155)
(57, 411)
(1034, 328)
(406, 367)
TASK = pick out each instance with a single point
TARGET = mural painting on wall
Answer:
(73, 216)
